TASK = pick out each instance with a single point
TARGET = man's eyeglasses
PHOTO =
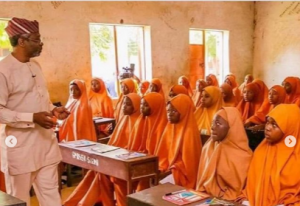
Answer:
(38, 41)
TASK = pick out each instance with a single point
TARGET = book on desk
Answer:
(183, 197)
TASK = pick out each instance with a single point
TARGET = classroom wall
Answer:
(277, 41)
(64, 26)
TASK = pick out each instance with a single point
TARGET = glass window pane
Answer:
(130, 45)
(103, 55)
(196, 37)
(5, 47)
(214, 54)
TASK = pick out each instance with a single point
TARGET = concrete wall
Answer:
(277, 41)
(64, 26)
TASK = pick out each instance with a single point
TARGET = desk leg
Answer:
(129, 187)
(59, 171)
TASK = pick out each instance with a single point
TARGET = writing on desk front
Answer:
(84, 158)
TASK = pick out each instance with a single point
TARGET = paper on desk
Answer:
(246, 203)
(169, 178)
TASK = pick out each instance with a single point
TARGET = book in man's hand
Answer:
(184, 197)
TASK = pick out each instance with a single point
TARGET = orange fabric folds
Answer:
(158, 83)
(197, 95)
(294, 96)
(145, 85)
(180, 146)
(120, 136)
(231, 100)
(188, 86)
(260, 116)
(214, 80)
(147, 130)
(79, 124)
(273, 176)
(247, 109)
(100, 102)
(179, 89)
(205, 115)
(224, 165)
(131, 87)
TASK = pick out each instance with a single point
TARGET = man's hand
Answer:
(60, 113)
(44, 119)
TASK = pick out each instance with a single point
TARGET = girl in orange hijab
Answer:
(79, 124)
(230, 79)
(180, 146)
(273, 176)
(277, 95)
(95, 185)
(211, 102)
(156, 86)
(150, 125)
(183, 80)
(292, 88)
(143, 87)
(177, 89)
(252, 100)
(127, 86)
(248, 79)
(212, 80)
(225, 157)
(145, 136)
(200, 85)
(229, 99)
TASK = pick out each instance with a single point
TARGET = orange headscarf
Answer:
(224, 165)
(101, 103)
(180, 146)
(205, 115)
(188, 87)
(145, 86)
(273, 176)
(197, 95)
(121, 133)
(132, 89)
(179, 89)
(294, 96)
(147, 131)
(260, 116)
(79, 124)
(242, 86)
(214, 80)
(235, 87)
(231, 99)
(158, 83)
(247, 109)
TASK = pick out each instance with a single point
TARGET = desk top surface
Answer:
(8, 200)
(153, 196)
(108, 151)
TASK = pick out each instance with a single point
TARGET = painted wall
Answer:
(277, 41)
(64, 26)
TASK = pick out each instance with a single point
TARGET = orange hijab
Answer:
(214, 80)
(145, 85)
(205, 115)
(235, 87)
(188, 87)
(224, 165)
(147, 131)
(294, 96)
(231, 99)
(260, 116)
(120, 136)
(131, 87)
(101, 103)
(273, 176)
(179, 89)
(242, 86)
(197, 95)
(247, 109)
(158, 83)
(79, 124)
(180, 146)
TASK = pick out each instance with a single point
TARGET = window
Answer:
(5, 47)
(114, 47)
(209, 53)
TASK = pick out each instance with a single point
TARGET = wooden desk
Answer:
(130, 170)
(8, 200)
(153, 196)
